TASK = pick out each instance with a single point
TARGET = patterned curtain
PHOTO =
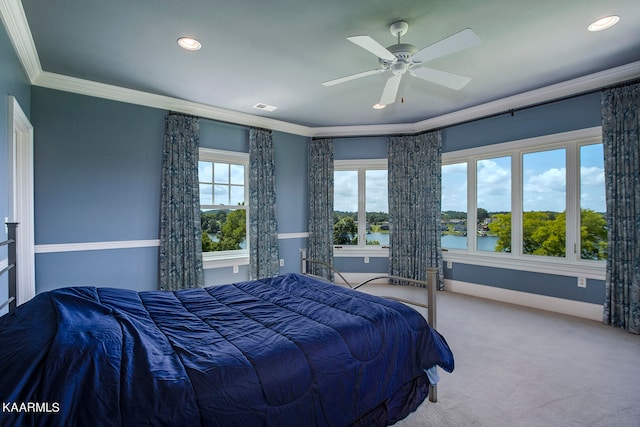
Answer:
(620, 138)
(414, 205)
(180, 230)
(321, 205)
(263, 227)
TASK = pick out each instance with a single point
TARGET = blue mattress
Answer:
(285, 351)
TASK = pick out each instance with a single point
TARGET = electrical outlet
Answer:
(449, 265)
(281, 262)
(235, 268)
(582, 282)
(366, 260)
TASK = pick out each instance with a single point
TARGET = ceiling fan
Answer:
(403, 57)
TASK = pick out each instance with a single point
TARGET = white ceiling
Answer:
(279, 52)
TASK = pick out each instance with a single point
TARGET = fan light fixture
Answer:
(403, 58)
(189, 43)
(603, 23)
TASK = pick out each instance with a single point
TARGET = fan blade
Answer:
(443, 78)
(372, 46)
(390, 90)
(455, 43)
(352, 77)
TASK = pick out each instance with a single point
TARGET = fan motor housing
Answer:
(403, 53)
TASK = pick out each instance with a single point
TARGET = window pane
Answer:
(237, 174)
(593, 226)
(221, 171)
(454, 206)
(221, 195)
(493, 184)
(223, 229)
(345, 208)
(377, 207)
(205, 171)
(237, 195)
(544, 203)
(206, 194)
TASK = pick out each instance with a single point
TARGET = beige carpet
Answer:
(524, 367)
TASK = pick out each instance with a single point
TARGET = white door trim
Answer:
(21, 198)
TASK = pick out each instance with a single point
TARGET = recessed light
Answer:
(378, 106)
(604, 23)
(189, 43)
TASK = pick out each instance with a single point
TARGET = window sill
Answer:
(547, 265)
(359, 251)
(218, 260)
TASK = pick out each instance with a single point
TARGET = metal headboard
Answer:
(11, 266)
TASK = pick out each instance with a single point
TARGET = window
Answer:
(593, 220)
(493, 204)
(361, 212)
(454, 206)
(536, 204)
(223, 180)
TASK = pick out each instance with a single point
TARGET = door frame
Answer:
(21, 196)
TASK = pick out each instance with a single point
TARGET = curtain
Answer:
(620, 138)
(414, 205)
(263, 227)
(321, 205)
(180, 230)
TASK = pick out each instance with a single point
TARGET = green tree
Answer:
(345, 231)
(549, 235)
(544, 233)
(231, 235)
(593, 235)
(208, 245)
(501, 227)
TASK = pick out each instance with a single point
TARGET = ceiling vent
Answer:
(265, 107)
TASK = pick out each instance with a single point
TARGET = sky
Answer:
(544, 186)
(345, 191)
(229, 180)
(544, 182)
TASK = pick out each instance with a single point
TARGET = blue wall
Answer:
(97, 179)
(13, 82)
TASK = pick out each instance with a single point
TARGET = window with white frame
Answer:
(531, 201)
(224, 195)
(360, 208)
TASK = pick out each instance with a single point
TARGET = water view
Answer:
(485, 243)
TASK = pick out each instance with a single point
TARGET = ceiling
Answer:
(278, 52)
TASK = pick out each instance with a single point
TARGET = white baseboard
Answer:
(542, 302)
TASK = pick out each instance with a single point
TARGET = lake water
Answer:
(485, 243)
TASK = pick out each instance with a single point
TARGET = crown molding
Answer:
(17, 27)
(15, 22)
(132, 96)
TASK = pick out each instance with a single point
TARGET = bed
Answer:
(290, 350)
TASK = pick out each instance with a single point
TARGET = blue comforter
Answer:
(284, 351)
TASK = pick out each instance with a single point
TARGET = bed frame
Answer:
(429, 285)
(11, 267)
